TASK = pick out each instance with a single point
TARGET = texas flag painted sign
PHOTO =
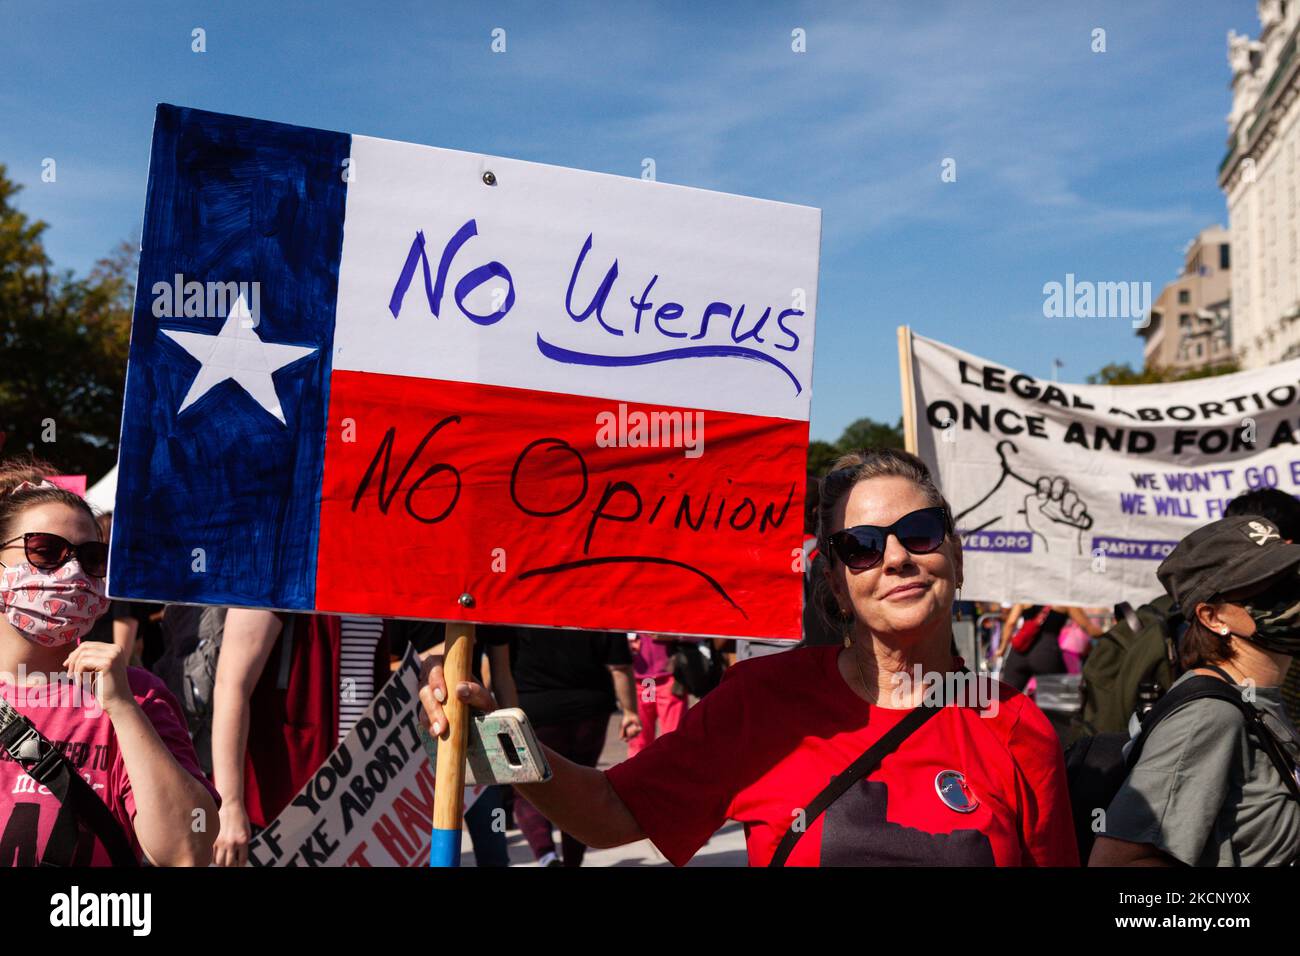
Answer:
(371, 377)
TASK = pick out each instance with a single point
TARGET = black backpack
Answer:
(1096, 767)
(189, 667)
(1139, 649)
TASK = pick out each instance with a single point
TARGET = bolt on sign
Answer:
(582, 399)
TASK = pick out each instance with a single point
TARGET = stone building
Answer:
(1260, 176)
(1190, 319)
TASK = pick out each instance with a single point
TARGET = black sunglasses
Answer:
(48, 552)
(863, 547)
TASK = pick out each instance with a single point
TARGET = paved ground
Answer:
(726, 848)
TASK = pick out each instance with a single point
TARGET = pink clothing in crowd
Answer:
(660, 710)
(1074, 643)
(651, 658)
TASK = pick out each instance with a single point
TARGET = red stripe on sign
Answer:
(548, 509)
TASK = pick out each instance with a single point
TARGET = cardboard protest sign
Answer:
(1074, 494)
(371, 802)
(367, 377)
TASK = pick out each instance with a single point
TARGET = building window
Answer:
(1224, 260)
(1184, 320)
(1184, 297)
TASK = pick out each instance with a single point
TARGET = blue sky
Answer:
(1099, 164)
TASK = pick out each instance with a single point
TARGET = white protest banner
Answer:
(1073, 494)
(371, 802)
(411, 374)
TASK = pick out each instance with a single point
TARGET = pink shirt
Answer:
(1075, 644)
(79, 727)
(652, 660)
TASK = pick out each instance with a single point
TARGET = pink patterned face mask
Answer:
(51, 608)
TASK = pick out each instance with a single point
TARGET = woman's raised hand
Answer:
(106, 665)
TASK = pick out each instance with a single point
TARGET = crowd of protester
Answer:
(210, 720)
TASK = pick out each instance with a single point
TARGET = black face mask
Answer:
(1276, 613)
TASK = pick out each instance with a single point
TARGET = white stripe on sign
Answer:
(670, 330)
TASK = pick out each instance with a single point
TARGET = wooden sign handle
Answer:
(449, 782)
(909, 388)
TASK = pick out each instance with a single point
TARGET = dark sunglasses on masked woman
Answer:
(49, 552)
(861, 548)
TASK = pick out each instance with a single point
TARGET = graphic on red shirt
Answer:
(34, 826)
(777, 729)
(857, 832)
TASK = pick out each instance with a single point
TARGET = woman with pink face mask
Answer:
(117, 728)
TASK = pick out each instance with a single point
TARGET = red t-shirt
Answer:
(83, 732)
(777, 729)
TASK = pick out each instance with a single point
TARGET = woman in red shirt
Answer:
(981, 783)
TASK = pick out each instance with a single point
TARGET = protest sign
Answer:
(369, 377)
(370, 803)
(1074, 494)
(73, 483)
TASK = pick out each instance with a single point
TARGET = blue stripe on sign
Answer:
(444, 850)
(231, 200)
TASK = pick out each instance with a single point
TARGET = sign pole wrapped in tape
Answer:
(1074, 494)
(444, 847)
(370, 377)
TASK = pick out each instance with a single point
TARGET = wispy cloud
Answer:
(861, 122)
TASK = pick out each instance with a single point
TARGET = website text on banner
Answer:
(581, 398)
(1073, 494)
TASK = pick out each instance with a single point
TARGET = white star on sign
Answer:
(237, 352)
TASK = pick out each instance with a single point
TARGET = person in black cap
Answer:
(1283, 510)
(1204, 791)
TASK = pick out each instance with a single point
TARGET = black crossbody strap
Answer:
(860, 768)
(1255, 722)
(1201, 687)
(1286, 767)
(50, 769)
(1228, 678)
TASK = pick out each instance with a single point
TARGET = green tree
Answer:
(821, 455)
(1117, 374)
(868, 433)
(863, 433)
(64, 344)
